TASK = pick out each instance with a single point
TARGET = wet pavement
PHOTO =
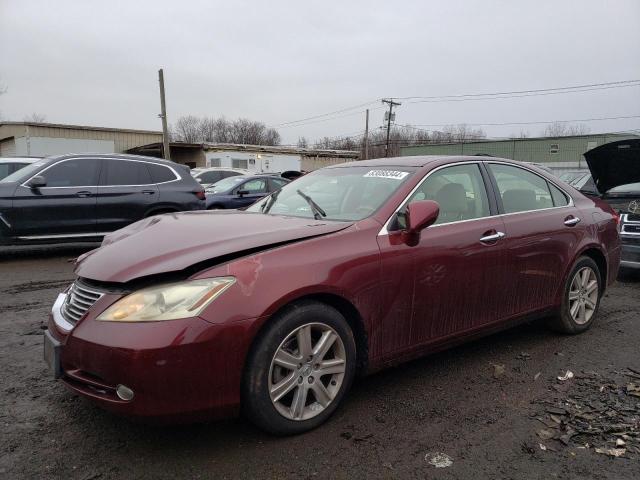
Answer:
(494, 408)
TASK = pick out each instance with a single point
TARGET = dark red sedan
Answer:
(345, 271)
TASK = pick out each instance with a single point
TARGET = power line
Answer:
(541, 122)
(325, 114)
(336, 114)
(514, 92)
(541, 94)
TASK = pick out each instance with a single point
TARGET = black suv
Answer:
(83, 197)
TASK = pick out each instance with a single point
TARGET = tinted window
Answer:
(521, 190)
(228, 173)
(5, 169)
(459, 190)
(559, 198)
(159, 173)
(259, 185)
(73, 173)
(123, 172)
(277, 183)
(210, 177)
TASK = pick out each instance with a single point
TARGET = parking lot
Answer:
(488, 405)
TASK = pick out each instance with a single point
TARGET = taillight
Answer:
(200, 194)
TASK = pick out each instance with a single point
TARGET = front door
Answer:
(456, 270)
(65, 206)
(249, 192)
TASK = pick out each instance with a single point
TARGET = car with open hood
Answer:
(274, 311)
(615, 178)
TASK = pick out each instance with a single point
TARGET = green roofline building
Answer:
(558, 153)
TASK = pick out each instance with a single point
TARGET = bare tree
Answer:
(35, 118)
(194, 129)
(303, 142)
(562, 129)
(463, 133)
(187, 129)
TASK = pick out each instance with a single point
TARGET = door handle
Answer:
(494, 237)
(84, 193)
(571, 221)
(148, 192)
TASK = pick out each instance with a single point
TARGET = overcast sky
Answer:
(95, 62)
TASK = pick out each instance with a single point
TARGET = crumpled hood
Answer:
(614, 164)
(173, 242)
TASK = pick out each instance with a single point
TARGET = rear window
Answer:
(124, 172)
(160, 173)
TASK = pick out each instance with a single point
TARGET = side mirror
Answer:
(420, 215)
(242, 193)
(37, 182)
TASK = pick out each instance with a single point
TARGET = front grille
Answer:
(79, 300)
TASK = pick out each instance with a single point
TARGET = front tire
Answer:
(581, 298)
(299, 369)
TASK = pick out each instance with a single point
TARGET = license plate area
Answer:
(52, 354)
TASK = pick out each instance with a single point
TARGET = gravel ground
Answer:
(487, 406)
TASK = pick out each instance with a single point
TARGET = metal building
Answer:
(559, 153)
(42, 139)
(255, 158)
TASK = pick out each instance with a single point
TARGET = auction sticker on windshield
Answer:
(394, 174)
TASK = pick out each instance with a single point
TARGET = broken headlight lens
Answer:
(167, 302)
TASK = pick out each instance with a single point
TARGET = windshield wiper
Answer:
(266, 206)
(318, 212)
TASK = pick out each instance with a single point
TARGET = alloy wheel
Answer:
(583, 295)
(307, 371)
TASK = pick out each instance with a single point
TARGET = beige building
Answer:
(256, 158)
(41, 139)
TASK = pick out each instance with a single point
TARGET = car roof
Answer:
(117, 156)
(419, 161)
(213, 169)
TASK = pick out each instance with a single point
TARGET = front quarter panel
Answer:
(344, 264)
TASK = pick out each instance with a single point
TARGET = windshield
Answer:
(628, 188)
(24, 173)
(342, 193)
(225, 184)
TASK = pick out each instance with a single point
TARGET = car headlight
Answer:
(167, 302)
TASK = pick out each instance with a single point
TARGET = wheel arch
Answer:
(595, 253)
(346, 308)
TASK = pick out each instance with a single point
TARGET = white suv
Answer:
(8, 165)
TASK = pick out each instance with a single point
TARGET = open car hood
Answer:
(614, 164)
(174, 242)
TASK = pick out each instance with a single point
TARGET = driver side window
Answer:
(459, 191)
(255, 186)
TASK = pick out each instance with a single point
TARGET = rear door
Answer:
(125, 193)
(65, 206)
(542, 226)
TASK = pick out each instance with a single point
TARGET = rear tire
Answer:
(581, 298)
(299, 369)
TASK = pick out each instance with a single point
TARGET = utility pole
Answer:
(366, 136)
(389, 117)
(165, 130)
